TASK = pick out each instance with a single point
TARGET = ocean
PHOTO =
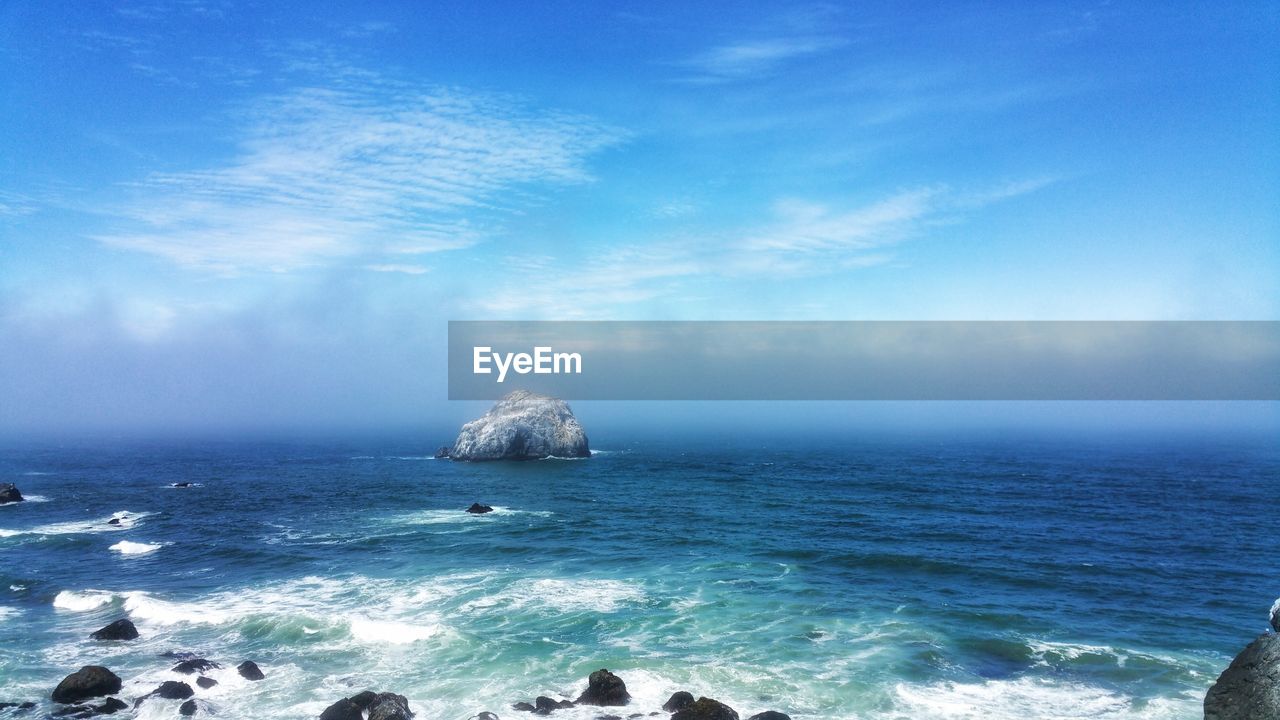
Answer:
(890, 578)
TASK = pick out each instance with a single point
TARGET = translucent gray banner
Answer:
(1086, 360)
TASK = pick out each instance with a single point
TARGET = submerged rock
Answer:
(121, 629)
(679, 700)
(9, 494)
(522, 426)
(89, 681)
(604, 689)
(195, 665)
(523, 707)
(188, 708)
(770, 715)
(478, 509)
(205, 682)
(249, 670)
(704, 708)
(110, 706)
(1249, 688)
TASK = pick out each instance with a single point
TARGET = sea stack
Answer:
(522, 426)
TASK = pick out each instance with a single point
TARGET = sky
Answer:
(262, 215)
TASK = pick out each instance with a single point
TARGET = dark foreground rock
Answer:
(770, 715)
(1249, 689)
(90, 681)
(604, 689)
(110, 706)
(188, 708)
(389, 706)
(679, 700)
(704, 708)
(121, 629)
(249, 670)
(522, 426)
(478, 509)
(168, 690)
(344, 709)
(205, 682)
(9, 494)
(195, 665)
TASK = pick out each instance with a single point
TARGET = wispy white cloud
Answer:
(801, 239)
(757, 57)
(399, 268)
(324, 173)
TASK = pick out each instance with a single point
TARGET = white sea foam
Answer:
(126, 547)
(1046, 650)
(386, 631)
(83, 600)
(559, 595)
(8, 612)
(1030, 698)
(123, 520)
(442, 517)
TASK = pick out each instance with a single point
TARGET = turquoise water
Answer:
(891, 579)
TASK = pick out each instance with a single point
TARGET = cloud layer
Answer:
(377, 171)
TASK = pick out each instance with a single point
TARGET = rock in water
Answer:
(249, 670)
(205, 682)
(195, 665)
(679, 700)
(605, 689)
(344, 709)
(121, 629)
(1249, 688)
(89, 681)
(522, 426)
(389, 706)
(770, 715)
(9, 493)
(478, 509)
(704, 708)
(188, 708)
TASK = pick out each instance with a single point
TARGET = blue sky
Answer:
(205, 205)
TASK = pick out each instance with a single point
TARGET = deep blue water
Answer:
(887, 579)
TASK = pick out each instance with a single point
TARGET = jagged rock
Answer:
(678, 701)
(389, 706)
(108, 707)
(195, 665)
(89, 681)
(1249, 688)
(704, 708)
(364, 698)
(442, 453)
(522, 426)
(9, 494)
(604, 689)
(770, 715)
(121, 629)
(168, 690)
(187, 709)
(344, 709)
(478, 509)
(249, 670)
